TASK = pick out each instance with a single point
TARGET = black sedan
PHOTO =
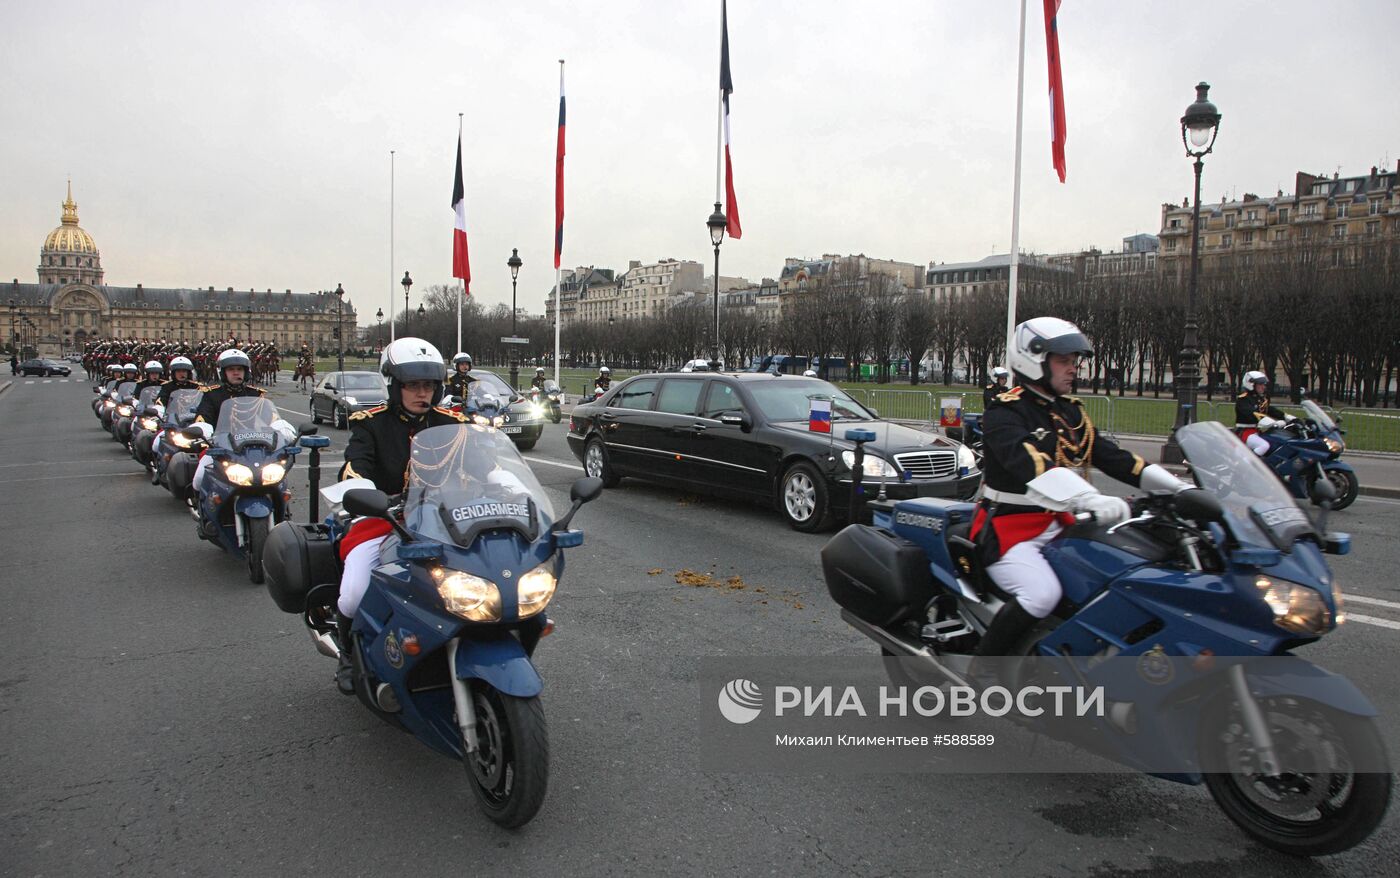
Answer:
(340, 394)
(44, 368)
(752, 435)
(524, 419)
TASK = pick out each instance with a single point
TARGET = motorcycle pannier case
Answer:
(882, 578)
(296, 559)
(180, 473)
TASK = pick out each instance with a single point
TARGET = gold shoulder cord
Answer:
(1068, 453)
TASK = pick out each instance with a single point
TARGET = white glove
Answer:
(1288, 419)
(1107, 510)
(1267, 424)
(286, 430)
(1157, 478)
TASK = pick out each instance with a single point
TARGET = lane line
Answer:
(1372, 620)
(68, 462)
(90, 476)
(1348, 597)
(572, 466)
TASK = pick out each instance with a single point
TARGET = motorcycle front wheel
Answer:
(257, 539)
(1347, 487)
(510, 769)
(1320, 803)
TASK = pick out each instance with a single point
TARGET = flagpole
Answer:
(719, 126)
(461, 285)
(391, 248)
(1016, 193)
(558, 270)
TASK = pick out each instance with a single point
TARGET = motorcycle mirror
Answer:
(586, 489)
(1199, 505)
(307, 430)
(192, 432)
(97, 390)
(367, 502)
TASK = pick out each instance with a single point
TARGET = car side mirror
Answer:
(367, 502)
(1199, 505)
(737, 419)
(308, 430)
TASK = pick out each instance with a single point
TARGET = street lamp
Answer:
(1198, 129)
(379, 332)
(514, 263)
(716, 223)
(14, 340)
(407, 282)
(23, 332)
(250, 317)
(339, 333)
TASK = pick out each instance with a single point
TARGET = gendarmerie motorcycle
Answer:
(1309, 448)
(1187, 614)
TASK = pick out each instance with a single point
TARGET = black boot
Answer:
(345, 671)
(1007, 628)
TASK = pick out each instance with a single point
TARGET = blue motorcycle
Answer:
(1203, 594)
(145, 423)
(243, 494)
(1307, 449)
(441, 645)
(171, 443)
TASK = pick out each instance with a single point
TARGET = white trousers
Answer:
(199, 473)
(1258, 444)
(1024, 573)
(354, 579)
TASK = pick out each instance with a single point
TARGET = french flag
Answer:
(726, 87)
(461, 265)
(1058, 134)
(819, 417)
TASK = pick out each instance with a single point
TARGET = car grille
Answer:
(928, 464)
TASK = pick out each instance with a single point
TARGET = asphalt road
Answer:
(160, 716)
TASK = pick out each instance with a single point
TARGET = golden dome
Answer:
(69, 237)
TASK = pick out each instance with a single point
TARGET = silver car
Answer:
(341, 393)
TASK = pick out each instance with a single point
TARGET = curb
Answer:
(4, 387)
(1372, 491)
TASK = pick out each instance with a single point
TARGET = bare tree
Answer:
(914, 330)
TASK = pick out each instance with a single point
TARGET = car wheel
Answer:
(342, 422)
(525, 444)
(315, 418)
(595, 463)
(803, 498)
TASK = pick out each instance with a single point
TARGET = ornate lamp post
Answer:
(407, 282)
(14, 339)
(421, 315)
(339, 333)
(1198, 129)
(379, 330)
(716, 223)
(514, 263)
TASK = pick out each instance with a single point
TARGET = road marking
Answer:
(572, 466)
(1372, 620)
(1349, 598)
(31, 381)
(1381, 500)
(125, 460)
(91, 476)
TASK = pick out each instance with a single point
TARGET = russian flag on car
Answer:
(819, 417)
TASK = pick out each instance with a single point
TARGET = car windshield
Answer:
(182, 406)
(464, 479)
(790, 399)
(1314, 411)
(492, 382)
(244, 421)
(351, 381)
(1258, 509)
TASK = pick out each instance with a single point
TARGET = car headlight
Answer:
(966, 459)
(1336, 446)
(1296, 608)
(873, 467)
(351, 400)
(124, 411)
(535, 589)
(536, 410)
(238, 474)
(273, 473)
(180, 439)
(148, 424)
(470, 597)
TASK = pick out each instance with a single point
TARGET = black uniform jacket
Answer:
(379, 442)
(990, 394)
(214, 398)
(1250, 407)
(457, 384)
(172, 385)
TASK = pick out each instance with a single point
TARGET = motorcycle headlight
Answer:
(238, 474)
(966, 459)
(106, 404)
(148, 424)
(1296, 608)
(873, 467)
(273, 473)
(535, 589)
(180, 439)
(470, 597)
(1336, 446)
(481, 420)
(124, 411)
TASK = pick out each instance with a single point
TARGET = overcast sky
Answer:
(247, 144)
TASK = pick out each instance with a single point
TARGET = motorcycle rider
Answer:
(602, 382)
(461, 375)
(232, 368)
(181, 378)
(1251, 407)
(378, 450)
(538, 381)
(1028, 429)
(130, 373)
(155, 377)
(998, 386)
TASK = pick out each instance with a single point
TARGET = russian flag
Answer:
(461, 266)
(559, 176)
(819, 417)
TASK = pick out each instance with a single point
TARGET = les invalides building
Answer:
(72, 304)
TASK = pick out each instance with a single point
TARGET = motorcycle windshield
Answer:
(1321, 418)
(183, 404)
(465, 479)
(550, 386)
(149, 396)
(244, 421)
(1258, 509)
(126, 390)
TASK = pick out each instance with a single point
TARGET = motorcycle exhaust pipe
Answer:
(902, 648)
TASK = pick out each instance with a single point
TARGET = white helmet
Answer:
(462, 357)
(999, 373)
(809, 374)
(232, 357)
(154, 366)
(604, 370)
(1252, 378)
(130, 367)
(1036, 338)
(539, 370)
(411, 359)
(181, 363)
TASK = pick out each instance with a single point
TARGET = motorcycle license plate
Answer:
(510, 429)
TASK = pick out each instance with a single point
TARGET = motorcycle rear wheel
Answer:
(509, 772)
(257, 539)
(1305, 814)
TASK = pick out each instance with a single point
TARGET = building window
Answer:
(1251, 214)
(1339, 231)
(1341, 211)
(1229, 220)
(1373, 228)
(1249, 237)
(1305, 232)
(1310, 209)
(1375, 206)
(1226, 239)
(1280, 234)
(1283, 214)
